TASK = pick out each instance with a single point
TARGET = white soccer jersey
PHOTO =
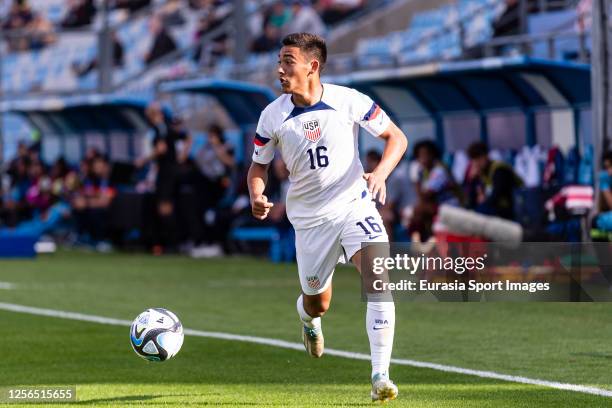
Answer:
(319, 145)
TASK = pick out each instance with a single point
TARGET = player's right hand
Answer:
(261, 207)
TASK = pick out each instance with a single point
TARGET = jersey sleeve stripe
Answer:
(260, 140)
(372, 113)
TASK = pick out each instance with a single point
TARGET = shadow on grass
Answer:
(126, 399)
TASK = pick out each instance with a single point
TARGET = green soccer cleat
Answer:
(313, 341)
(383, 388)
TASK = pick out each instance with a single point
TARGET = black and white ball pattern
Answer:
(156, 334)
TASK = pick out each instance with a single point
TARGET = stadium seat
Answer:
(21, 246)
(281, 245)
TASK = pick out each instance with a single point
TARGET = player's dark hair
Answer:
(310, 44)
(429, 146)
(478, 149)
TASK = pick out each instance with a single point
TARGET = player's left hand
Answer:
(376, 186)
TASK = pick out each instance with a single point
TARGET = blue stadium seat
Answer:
(18, 246)
(281, 245)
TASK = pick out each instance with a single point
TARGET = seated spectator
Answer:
(434, 185)
(170, 13)
(209, 52)
(305, 19)
(215, 160)
(40, 32)
(278, 15)
(434, 179)
(268, 41)
(86, 68)
(206, 4)
(19, 17)
(333, 11)
(129, 5)
(91, 204)
(162, 44)
(604, 219)
(15, 208)
(39, 224)
(80, 13)
(38, 195)
(490, 184)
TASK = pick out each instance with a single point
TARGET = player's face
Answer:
(293, 69)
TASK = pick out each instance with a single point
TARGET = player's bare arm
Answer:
(257, 178)
(395, 147)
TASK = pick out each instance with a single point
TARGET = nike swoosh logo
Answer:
(135, 339)
(379, 328)
(374, 237)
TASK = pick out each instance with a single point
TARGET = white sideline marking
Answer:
(7, 285)
(298, 346)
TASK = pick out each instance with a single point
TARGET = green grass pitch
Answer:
(558, 342)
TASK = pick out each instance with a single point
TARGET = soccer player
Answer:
(330, 201)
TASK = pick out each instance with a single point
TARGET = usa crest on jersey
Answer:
(312, 130)
(313, 282)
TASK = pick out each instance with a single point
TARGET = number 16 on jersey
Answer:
(317, 157)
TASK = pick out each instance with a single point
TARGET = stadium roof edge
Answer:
(484, 64)
(59, 103)
(204, 84)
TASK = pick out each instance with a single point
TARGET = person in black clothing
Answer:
(490, 184)
(80, 13)
(163, 43)
(209, 52)
(130, 5)
(268, 41)
(82, 70)
(171, 146)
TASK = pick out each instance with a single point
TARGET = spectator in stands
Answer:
(604, 219)
(84, 69)
(19, 17)
(80, 13)
(206, 4)
(216, 161)
(92, 203)
(40, 32)
(333, 11)
(207, 53)
(15, 208)
(38, 195)
(23, 153)
(129, 5)
(304, 19)
(434, 179)
(278, 15)
(162, 44)
(268, 41)
(490, 184)
(434, 185)
(170, 13)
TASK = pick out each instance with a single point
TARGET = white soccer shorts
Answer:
(320, 248)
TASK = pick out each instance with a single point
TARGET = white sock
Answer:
(309, 321)
(380, 324)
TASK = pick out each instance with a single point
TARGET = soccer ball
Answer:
(156, 334)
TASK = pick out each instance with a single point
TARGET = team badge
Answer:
(313, 282)
(312, 130)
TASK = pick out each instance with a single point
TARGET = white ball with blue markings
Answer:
(156, 334)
